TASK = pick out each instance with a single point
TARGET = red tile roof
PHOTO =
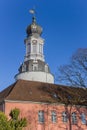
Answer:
(23, 90)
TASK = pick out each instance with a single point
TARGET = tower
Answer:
(34, 67)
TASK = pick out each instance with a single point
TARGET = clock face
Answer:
(34, 41)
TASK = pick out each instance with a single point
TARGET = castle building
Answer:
(45, 105)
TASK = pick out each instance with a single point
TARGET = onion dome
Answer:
(34, 28)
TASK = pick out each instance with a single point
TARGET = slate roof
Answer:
(23, 90)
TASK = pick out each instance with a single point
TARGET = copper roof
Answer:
(23, 90)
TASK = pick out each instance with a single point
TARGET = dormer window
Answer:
(55, 95)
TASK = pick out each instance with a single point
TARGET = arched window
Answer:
(64, 117)
(74, 118)
(34, 47)
(41, 116)
(83, 118)
(53, 116)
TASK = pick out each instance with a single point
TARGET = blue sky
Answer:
(64, 25)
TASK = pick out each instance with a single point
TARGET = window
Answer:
(28, 48)
(41, 116)
(83, 118)
(23, 67)
(64, 117)
(35, 67)
(55, 95)
(46, 68)
(74, 118)
(34, 47)
(53, 116)
(40, 48)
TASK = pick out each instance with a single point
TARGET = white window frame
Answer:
(83, 118)
(53, 116)
(40, 48)
(34, 48)
(28, 49)
(41, 116)
(46, 68)
(35, 67)
(64, 116)
(74, 118)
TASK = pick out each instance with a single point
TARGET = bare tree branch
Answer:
(74, 73)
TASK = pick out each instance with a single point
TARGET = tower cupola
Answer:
(34, 28)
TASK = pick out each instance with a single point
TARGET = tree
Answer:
(74, 73)
(17, 123)
(4, 123)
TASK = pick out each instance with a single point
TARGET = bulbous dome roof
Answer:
(34, 28)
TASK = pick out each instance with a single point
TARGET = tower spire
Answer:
(33, 12)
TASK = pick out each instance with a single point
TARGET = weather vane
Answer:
(33, 12)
